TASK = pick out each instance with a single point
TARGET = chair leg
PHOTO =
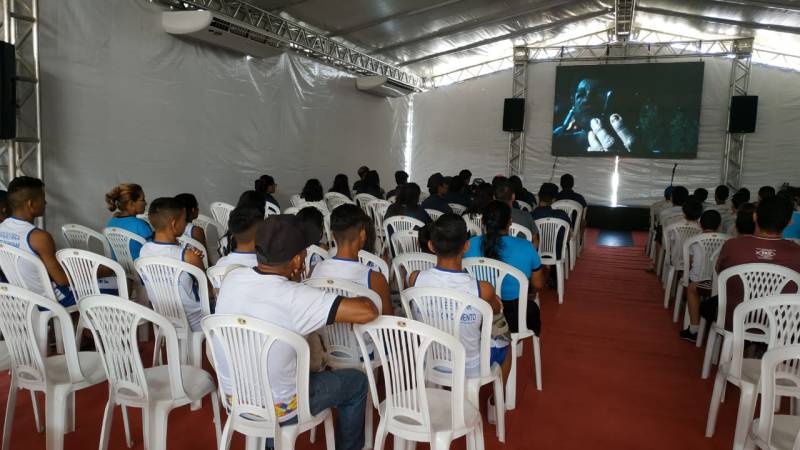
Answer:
(312, 436)
(380, 435)
(701, 332)
(9, 421)
(368, 422)
(537, 362)
(225, 439)
(158, 360)
(36, 416)
(668, 286)
(70, 419)
(747, 405)
(126, 424)
(441, 441)
(500, 409)
(511, 382)
(215, 409)
(710, 348)
(330, 436)
(713, 407)
(158, 415)
(108, 419)
(678, 300)
(56, 405)
(560, 281)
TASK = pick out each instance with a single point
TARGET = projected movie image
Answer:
(636, 110)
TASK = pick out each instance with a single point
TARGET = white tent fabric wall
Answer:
(125, 102)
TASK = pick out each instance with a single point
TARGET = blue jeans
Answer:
(345, 390)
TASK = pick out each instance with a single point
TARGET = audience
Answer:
(765, 192)
(241, 237)
(358, 186)
(372, 185)
(465, 175)
(710, 222)
(407, 204)
(266, 186)
(253, 199)
(127, 201)
(745, 193)
(567, 184)
(456, 192)
(744, 225)
(189, 202)
(312, 191)
(400, 178)
(793, 230)
(545, 210)
(484, 194)
(701, 195)
(271, 292)
(679, 196)
(520, 192)
(341, 185)
(692, 210)
(721, 194)
(504, 192)
(437, 190)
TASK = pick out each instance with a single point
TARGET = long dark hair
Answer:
(496, 219)
(312, 191)
(408, 196)
(341, 185)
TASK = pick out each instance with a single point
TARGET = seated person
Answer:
(793, 230)
(371, 185)
(253, 199)
(692, 210)
(407, 204)
(449, 242)
(701, 195)
(312, 191)
(456, 192)
(465, 175)
(545, 210)
(401, 178)
(271, 292)
(26, 202)
(745, 193)
(517, 252)
(189, 202)
(765, 192)
(765, 246)
(437, 190)
(710, 222)
(484, 194)
(679, 196)
(127, 201)
(312, 219)
(567, 192)
(266, 186)
(721, 194)
(744, 225)
(241, 237)
(358, 186)
(504, 192)
(520, 192)
(169, 220)
(341, 185)
(349, 225)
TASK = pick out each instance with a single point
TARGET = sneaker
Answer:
(687, 335)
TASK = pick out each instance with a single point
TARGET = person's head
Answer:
(721, 194)
(668, 193)
(504, 192)
(765, 192)
(679, 195)
(252, 199)
(547, 194)
(516, 184)
(496, 220)
(400, 177)
(449, 236)
(281, 242)
(408, 195)
(242, 224)
(26, 197)
(127, 198)
(700, 194)
(744, 219)
(349, 225)
(466, 175)
(362, 172)
(692, 209)
(424, 237)
(773, 214)
(588, 102)
(312, 219)
(456, 184)
(436, 184)
(737, 200)
(312, 191)
(4, 213)
(373, 179)
(189, 202)
(497, 179)
(484, 193)
(710, 220)
(167, 216)
(567, 181)
(341, 184)
(745, 193)
(265, 184)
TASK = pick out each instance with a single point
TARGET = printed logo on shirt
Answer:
(765, 253)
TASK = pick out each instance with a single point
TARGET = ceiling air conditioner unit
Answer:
(217, 30)
(381, 86)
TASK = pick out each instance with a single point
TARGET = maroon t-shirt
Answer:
(753, 249)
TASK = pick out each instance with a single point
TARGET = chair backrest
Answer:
(340, 343)
(374, 262)
(242, 344)
(120, 241)
(320, 206)
(403, 347)
(296, 200)
(399, 223)
(363, 199)
(549, 230)
(271, 209)
(79, 236)
(573, 209)
(682, 231)
(216, 274)
(206, 223)
(474, 223)
(35, 278)
(779, 378)
(81, 267)
(336, 199)
(672, 218)
(19, 323)
(525, 206)
(709, 243)
(758, 280)
(434, 214)
(518, 230)
(314, 254)
(406, 264)
(406, 242)
(189, 242)
(443, 309)
(114, 323)
(496, 273)
(221, 211)
(291, 210)
(327, 235)
(377, 210)
(457, 208)
(162, 278)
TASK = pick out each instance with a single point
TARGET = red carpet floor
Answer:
(615, 376)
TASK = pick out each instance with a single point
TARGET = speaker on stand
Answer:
(513, 114)
(743, 114)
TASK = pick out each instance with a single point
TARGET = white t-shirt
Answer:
(697, 254)
(189, 299)
(294, 306)
(247, 259)
(16, 233)
(345, 269)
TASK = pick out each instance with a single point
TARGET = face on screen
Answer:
(587, 102)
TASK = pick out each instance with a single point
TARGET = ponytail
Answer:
(496, 217)
(122, 195)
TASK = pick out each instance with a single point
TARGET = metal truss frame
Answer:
(301, 39)
(519, 89)
(733, 155)
(624, 11)
(23, 155)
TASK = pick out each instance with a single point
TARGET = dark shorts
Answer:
(533, 316)
(498, 355)
(708, 309)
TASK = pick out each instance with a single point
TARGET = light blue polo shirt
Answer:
(515, 251)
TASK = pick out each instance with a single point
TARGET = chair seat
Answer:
(90, 362)
(197, 383)
(751, 370)
(784, 431)
(440, 413)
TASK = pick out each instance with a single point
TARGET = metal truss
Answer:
(23, 155)
(519, 89)
(733, 155)
(642, 50)
(623, 18)
(301, 39)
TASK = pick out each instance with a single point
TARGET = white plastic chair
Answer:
(205, 223)
(221, 211)
(574, 211)
(335, 199)
(377, 210)
(779, 378)
(651, 231)
(442, 309)
(525, 206)
(405, 242)
(79, 236)
(520, 231)
(375, 262)
(412, 412)
(58, 376)
(291, 210)
(434, 214)
(406, 264)
(120, 241)
(774, 321)
(216, 274)
(157, 390)
(398, 223)
(474, 224)
(709, 244)
(673, 260)
(549, 229)
(320, 206)
(362, 200)
(242, 344)
(758, 280)
(495, 272)
(311, 252)
(187, 242)
(162, 277)
(271, 209)
(457, 208)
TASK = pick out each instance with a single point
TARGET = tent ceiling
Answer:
(430, 37)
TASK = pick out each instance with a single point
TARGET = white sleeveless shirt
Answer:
(470, 334)
(16, 233)
(188, 230)
(189, 298)
(345, 269)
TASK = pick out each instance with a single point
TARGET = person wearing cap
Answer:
(359, 185)
(437, 189)
(266, 186)
(271, 292)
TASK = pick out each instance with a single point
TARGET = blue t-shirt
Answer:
(793, 230)
(517, 252)
(136, 226)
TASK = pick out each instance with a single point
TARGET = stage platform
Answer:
(623, 218)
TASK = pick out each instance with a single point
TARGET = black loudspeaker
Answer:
(513, 114)
(8, 91)
(744, 109)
